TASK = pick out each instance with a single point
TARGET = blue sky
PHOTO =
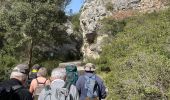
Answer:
(75, 5)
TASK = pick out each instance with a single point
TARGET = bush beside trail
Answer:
(137, 61)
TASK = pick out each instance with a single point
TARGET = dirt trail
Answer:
(79, 65)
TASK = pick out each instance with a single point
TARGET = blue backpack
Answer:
(92, 87)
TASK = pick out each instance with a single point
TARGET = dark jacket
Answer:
(32, 75)
(81, 86)
(21, 93)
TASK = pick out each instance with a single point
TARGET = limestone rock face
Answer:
(92, 11)
(95, 10)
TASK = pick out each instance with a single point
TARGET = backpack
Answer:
(39, 88)
(6, 92)
(58, 94)
(71, 74)
(92, 87)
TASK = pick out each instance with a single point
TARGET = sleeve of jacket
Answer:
(23, 94)
(103, 93)
(27, 97)
(78, 85)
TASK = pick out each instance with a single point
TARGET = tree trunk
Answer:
(30, 54)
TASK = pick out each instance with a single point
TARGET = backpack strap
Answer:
(41, 82)
(67, 85)
(45, 81)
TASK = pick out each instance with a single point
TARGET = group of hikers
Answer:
(63, 84)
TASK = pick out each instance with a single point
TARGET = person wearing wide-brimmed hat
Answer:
(83, 85)
(16, 83)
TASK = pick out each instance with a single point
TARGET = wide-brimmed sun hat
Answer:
(21, 68)
(89, 67)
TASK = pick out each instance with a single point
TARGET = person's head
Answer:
(35, 68)
(42, 72)
(89, 67)
(58, 73)
(20, 72)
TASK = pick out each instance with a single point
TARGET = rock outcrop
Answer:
(95, 10)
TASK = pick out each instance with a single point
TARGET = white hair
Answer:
(58, 73)
(18, 75)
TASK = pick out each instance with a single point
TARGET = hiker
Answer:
(13, 89)
(39, 83)
(32, 75)
(58, 90)
(89, 85)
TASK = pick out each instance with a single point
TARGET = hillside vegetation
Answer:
(135, 63)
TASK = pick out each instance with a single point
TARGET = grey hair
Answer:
(58, 73)
(42, 72)
(18, 75)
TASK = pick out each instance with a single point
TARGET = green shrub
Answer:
(111, 26)
(138, 57)
(6, 64)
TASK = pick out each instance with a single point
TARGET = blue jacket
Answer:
(81, 88)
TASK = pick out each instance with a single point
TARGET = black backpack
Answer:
(6, 92)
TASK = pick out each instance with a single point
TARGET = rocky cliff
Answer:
(95, 10)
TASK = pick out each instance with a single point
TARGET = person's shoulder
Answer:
(23, 89)
(98, 76)
(81, 78)
(10, 81)
(3, 83)
(99, 79)
(34, 80)
(48, 82)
